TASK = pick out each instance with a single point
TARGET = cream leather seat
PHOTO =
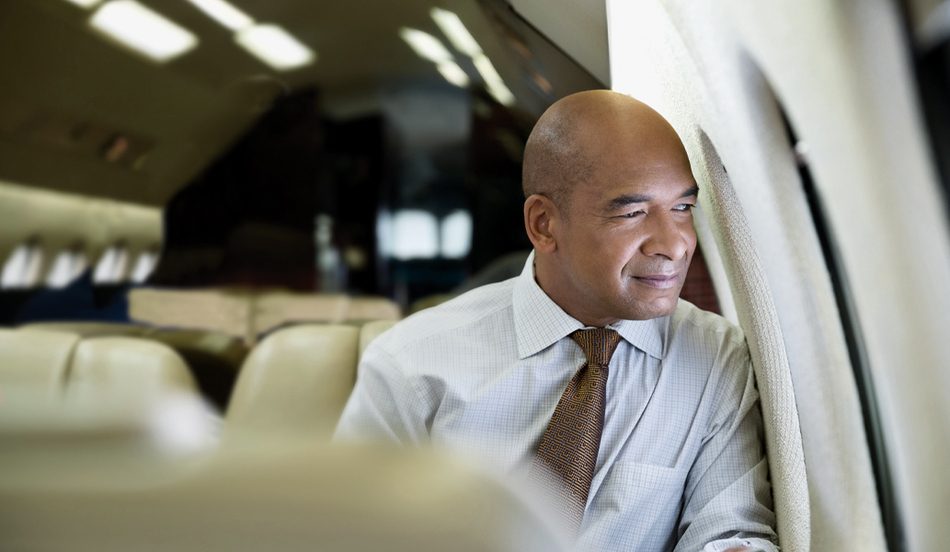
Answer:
(328, 498)
(296, 380)
(88, 329)
(250, 313)
(373, 308)
(37, 359)
(213, 358)
(127, 365)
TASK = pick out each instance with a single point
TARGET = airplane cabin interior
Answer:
(210, 208)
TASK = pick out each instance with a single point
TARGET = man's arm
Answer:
(384, 404)
(728, 500)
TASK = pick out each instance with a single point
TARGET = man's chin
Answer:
(654, 309)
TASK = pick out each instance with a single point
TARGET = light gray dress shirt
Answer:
(681, 463)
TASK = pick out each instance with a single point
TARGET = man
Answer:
(587, 365)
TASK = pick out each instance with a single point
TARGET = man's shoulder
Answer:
(692, 326)
(456, 318)
(713, 350)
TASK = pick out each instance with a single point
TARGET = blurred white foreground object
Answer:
(266, 498)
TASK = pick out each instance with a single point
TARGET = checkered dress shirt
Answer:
(681, 463)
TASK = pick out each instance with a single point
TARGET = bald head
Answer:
(608, 210)
(570, 142)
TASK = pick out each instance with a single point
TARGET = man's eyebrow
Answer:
(629, 199)
(694, 191)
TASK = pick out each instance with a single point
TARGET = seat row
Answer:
(92, 478)
(60, 361)
(251, 313)
(296, 380)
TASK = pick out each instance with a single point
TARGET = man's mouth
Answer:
(659, 281)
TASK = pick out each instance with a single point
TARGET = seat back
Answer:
(333, 499)
(126, 366)
(214, 359)
(373, 308)
(224, 310)
(87, 329)
(278, 308)
(38, 359)
(250, 313)
(296, 380)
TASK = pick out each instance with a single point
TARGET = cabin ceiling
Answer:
(82, 115)
(579, 27)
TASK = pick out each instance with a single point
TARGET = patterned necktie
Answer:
(568, 448)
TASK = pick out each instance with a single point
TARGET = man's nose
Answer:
(668, 238)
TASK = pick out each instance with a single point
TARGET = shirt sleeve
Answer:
(728, 499)
(384, 404)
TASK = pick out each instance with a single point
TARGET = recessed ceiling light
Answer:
(453, 73)
(224, 13)
(493, 82)
(275, 47)
(143, 30)
(456, 31)
(425, 45)
(84, 3)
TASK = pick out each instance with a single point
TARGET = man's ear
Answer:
(541, 217)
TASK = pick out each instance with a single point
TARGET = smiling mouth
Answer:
(659, 281)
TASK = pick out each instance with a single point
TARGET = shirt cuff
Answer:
(750, 545)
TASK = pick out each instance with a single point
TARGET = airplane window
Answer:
(111, 268)
(384, 236)
(456, 234)
(415, 235)
(67, 265)
(144, 265)
(22, 269)
(854, 338)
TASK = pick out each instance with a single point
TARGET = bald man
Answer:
(677, 461)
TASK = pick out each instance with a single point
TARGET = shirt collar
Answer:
(540, 322)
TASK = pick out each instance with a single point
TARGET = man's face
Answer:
(626, 241)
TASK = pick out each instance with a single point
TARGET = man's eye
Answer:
(684, 207)
(632, 214)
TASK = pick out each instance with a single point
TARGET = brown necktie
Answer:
(568, 448)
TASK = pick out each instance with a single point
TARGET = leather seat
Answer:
(296, 380)
(213, 358)
(251, 313)
(37, 359)
(127, 366)
(328, 498)
(88, 329)
(373, 308)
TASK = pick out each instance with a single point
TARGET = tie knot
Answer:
(598, 344)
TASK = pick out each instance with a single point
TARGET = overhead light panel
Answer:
(425, 45)
(453, 73)
(493, 82)
(84, 3)
(455, 30)
(275, 47)
(143, 30)
(456, 235)
(415, 235)
(224, 13)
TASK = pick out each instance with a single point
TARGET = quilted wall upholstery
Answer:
(842, 71)
(701, 65)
